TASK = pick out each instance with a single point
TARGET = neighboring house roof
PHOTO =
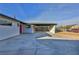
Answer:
(75, 27)
(11, 18)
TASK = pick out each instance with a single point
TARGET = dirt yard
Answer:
(68, 35)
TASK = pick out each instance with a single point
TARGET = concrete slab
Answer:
(28, 44)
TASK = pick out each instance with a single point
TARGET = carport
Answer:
(43, 27)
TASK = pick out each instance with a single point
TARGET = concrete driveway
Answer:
(28, 44)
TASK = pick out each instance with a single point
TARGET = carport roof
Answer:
(42, 23)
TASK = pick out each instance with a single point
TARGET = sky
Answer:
(42, 12)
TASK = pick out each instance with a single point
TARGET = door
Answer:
(21, 28)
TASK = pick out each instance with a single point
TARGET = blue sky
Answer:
(41, 12)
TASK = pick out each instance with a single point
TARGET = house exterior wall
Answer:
(28, 30)
(53, 30)
(8, 31)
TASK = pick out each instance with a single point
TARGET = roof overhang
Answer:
(13, 19)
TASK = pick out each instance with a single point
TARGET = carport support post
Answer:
(53, 29)
(33, 30)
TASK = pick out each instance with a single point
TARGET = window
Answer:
(5, 23)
